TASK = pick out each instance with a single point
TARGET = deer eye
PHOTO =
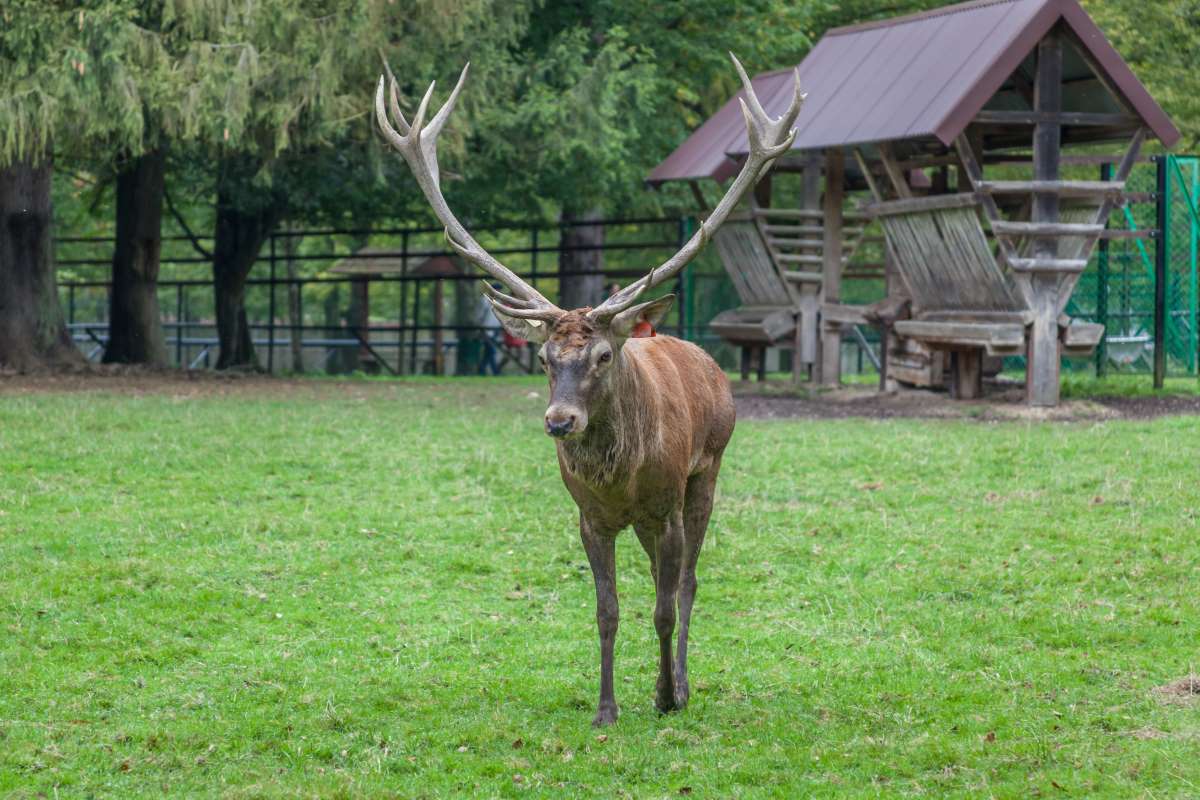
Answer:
(606, 356)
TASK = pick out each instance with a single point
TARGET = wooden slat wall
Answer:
(946, 261)
(749, 265)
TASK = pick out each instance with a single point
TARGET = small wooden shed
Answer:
(976, 265)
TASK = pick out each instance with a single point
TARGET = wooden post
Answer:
(1042, 367)
(804, 356)
(967, 374)
(831, 281)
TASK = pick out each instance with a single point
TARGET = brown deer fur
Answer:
(655, 418)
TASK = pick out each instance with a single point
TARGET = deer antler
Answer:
(769, 138)
(418, 144)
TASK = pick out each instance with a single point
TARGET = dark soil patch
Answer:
(1002, 402)
(1183, 689)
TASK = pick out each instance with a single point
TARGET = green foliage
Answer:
(351, 589)
(1161, 42)
(604, 90)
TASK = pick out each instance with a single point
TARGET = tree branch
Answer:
(183, 224)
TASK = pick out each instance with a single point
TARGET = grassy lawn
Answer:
(367, 589)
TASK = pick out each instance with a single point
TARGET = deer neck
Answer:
(612, 447)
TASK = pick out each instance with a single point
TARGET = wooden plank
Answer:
(1011, 317)
(1049, 264)
(866, 171)
(803, 277)
(844, 314)
(998, 338)
(792, 258)
(893, 207)
(792, 229)
(1054, 187)
(1006, 228)
(895, 174)
(1060, 118)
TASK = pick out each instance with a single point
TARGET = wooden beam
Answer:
(866, 171)
(831, 337)
(894, 173)
(934, 203)
(1054, 187)
(1042, 363)
(1061, 118)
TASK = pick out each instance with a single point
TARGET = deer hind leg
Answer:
(697, 506)
(601, 553)
(668, 559)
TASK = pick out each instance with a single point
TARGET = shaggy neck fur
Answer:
(613, 446)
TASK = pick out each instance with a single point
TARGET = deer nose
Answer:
(559, 426)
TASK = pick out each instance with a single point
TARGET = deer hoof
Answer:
(605, 715)
(665, 698)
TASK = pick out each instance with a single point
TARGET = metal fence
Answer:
(305, 313)
(1143, 285)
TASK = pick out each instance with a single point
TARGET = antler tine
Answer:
(769, 139)
(549, 314)
(501, 297)
(417, 142)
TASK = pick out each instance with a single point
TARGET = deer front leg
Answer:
(601, 553)
(668, 560)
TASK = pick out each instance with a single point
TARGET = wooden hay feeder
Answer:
(914, 110)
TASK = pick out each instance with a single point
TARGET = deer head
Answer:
(581, 349)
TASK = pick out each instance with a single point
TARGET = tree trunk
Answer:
(33, 333)
(135, 333)
(578, 290)
(239, 236)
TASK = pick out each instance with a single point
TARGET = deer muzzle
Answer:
(563, 420)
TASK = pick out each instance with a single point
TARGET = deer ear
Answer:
(623, 324)
(534, 330)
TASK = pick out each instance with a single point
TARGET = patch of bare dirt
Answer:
(1002, 402)
(1181, 690)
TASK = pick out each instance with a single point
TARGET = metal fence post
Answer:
(179, 323)
(1160, 272)
(1102, 289)
(271, 314)
(533, 258)
(403, 302)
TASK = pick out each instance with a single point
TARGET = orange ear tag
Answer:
(643, 330)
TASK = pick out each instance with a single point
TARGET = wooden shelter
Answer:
(921, 111)
(375, 262)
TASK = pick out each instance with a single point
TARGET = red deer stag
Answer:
(639, 423)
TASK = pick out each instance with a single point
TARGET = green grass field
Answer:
(367, 589)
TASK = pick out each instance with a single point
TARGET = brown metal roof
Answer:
(919, 76)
